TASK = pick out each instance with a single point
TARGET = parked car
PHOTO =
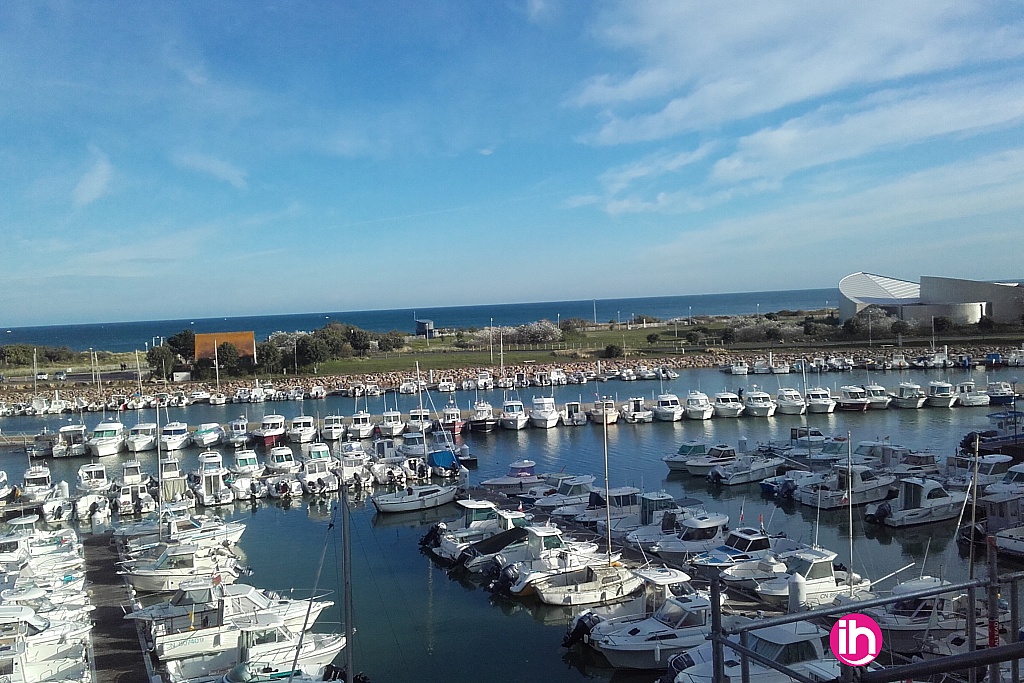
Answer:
(60, 376)
(42, 375)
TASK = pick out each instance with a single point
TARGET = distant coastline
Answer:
(130, 336)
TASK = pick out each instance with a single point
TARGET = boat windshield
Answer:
(698, 533)
(675, 615)
(785, 653)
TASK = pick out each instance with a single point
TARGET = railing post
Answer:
(993, 603)
(972, 628)
(718, 653)
(1014, 626)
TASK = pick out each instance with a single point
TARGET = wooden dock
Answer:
(118, 655)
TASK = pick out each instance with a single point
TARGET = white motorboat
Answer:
(302, 429)
(1011, 483)
(667, 408)
(698, 406)
(878, 397)
(178, 563)
(909, 622)
(333, 428)
(741, 545)
(415, 498)
(247, 463)
(570, 491)
(546, 554)
(799, 645)
(108, 438)
(129, 499)
(1000, 393)
(920, 501)
(821, 581)
(738, 368)
(573, 414)
(852, 399)
(960, 470)
(909, 395)
(174, 482)
(198, 617)
(688, 450)
(317, 473)
(636, 411)
(174, 436)
(940, 395)
(142, 437)
(614, 503)
(361, 425)
(603, 411)
(589, 585)
(513, 415)
(281, 460)
(391, 423)
(482, 419)
(37, 484)
(647, 641)
(238, 432)
(757, 403)
(265, 645)
(92, 478)
(211, 487)
(657, 511)
(745, 469)
(699, 534)
(45, 638)
(480, 519)
(853, 485)
(819, 400)
(969, 396)
(727, 404)
(271, 430)
(208, 434)
(521, 476)
(174, 527)
(544, 414)
(419, 421)
(788, 401)
(70, 441)
(716, 456)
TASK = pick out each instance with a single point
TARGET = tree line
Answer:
(280, 352)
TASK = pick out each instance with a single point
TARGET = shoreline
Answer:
(390, 381)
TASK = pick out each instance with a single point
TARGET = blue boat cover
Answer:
(445, 459)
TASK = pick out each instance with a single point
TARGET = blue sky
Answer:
(164, 160)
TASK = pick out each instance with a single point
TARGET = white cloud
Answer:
(652, 166)
(218, 168)
(699, 65)
(96, 181)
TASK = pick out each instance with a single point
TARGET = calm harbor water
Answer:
(415, 622)
(128, 336)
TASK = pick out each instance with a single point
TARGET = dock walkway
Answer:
(118, 656)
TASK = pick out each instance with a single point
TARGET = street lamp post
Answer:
(490, 339)
(1013, 408)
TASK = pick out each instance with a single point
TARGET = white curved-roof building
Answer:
(963, 301)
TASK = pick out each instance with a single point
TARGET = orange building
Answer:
(245, 342)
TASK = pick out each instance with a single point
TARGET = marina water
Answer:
(414, 622)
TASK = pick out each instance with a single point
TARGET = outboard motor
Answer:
(580, 629)
(880, 513)
(787, 489)
(676, 664)
(716, 475)
(507, 576)
(432, 538)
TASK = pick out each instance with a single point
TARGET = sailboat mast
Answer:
(346, 559)
(849, 500)
(216, 363)
(607, 496)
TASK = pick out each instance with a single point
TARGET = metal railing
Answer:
(990, 656)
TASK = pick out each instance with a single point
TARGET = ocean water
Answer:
(415, 622)
(128, 336)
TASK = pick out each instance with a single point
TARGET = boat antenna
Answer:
(346, 558)
(849, 501)
(607, 496)
(974, 498)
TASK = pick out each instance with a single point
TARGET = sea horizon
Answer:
(132, 335)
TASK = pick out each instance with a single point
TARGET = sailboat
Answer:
(592, 583)
(217, 398)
